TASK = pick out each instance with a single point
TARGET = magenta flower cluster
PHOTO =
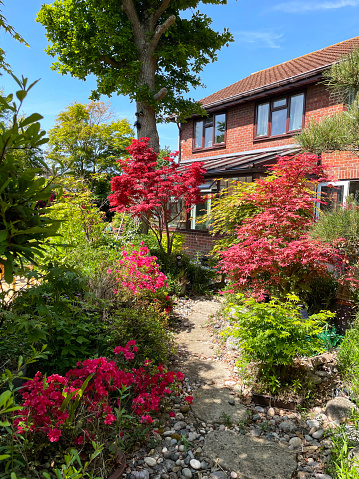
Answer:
(139, 272)
(46, 407)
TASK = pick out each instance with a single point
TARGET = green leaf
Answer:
(4, 456)
(4, 397)
(31, 119)
(21, 94)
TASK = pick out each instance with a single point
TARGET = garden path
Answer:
(246, 456)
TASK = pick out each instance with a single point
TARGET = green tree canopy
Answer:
(150, 50)
(87, 141)
(340, 131)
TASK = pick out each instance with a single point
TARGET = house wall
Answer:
(320, 103)
(197, 242)
(240, 125)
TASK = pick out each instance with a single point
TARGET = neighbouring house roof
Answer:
(288, 72)
(245, 161)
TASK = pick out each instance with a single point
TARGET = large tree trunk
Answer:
(146, 124)
(146, 115)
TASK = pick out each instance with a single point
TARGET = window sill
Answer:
(276, 137)
(216, 147)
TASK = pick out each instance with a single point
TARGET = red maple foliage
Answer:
(275, 252)
(151, 191)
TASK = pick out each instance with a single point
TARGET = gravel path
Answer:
(218, 437)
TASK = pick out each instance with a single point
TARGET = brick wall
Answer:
(197, 242)
(320, 102)
(240, 123)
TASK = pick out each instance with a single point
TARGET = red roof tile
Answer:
(308, 63)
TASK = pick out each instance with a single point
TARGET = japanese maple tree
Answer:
(154, 192)
(274, 252)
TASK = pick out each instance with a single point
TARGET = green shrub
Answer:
(275, 333)
(340, 223)
(55, 313)
(341, 464)
(348, 357)
(321, 294)
(185, 272)
(146, 326)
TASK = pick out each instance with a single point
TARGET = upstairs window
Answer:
(280, 116)
(210, 131)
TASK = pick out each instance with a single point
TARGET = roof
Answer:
(242, 161)
(298, 68)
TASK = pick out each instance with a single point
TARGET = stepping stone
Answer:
(206, 307)
(193, 335)
(211, 404)
(202, 349)
(250, 457)
(205, 371)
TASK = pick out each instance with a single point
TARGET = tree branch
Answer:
(129, 9)
(162, 8)
(160, 30)
(111, 61)
(161, 94)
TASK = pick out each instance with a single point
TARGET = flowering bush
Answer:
(153, 192)
(139, 272)
(139, 277)
(93, 390)
(274, 251)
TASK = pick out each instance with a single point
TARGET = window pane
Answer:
(176, 213)
(296, 112)
(198, 134)
(354, 189)
(208, 121)
(197, 214)
(278, 103)
(208, 136)
(279, 120)
(262, 119)
(332, 196)
(220, 127)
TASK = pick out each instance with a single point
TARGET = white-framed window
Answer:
(197, 213)
(202, 209)
(335, 193)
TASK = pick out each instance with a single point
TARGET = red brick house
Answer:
(253, 121)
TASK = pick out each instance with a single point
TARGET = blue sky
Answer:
(266, 33)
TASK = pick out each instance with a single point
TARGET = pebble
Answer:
(287, 426)
(218, 475)
(295, 442)
(259, 409)
(179, 425)
(179, 455)
(318, 434)
(187, 472)
(195, 464)
(313, 423)
(150, 461)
